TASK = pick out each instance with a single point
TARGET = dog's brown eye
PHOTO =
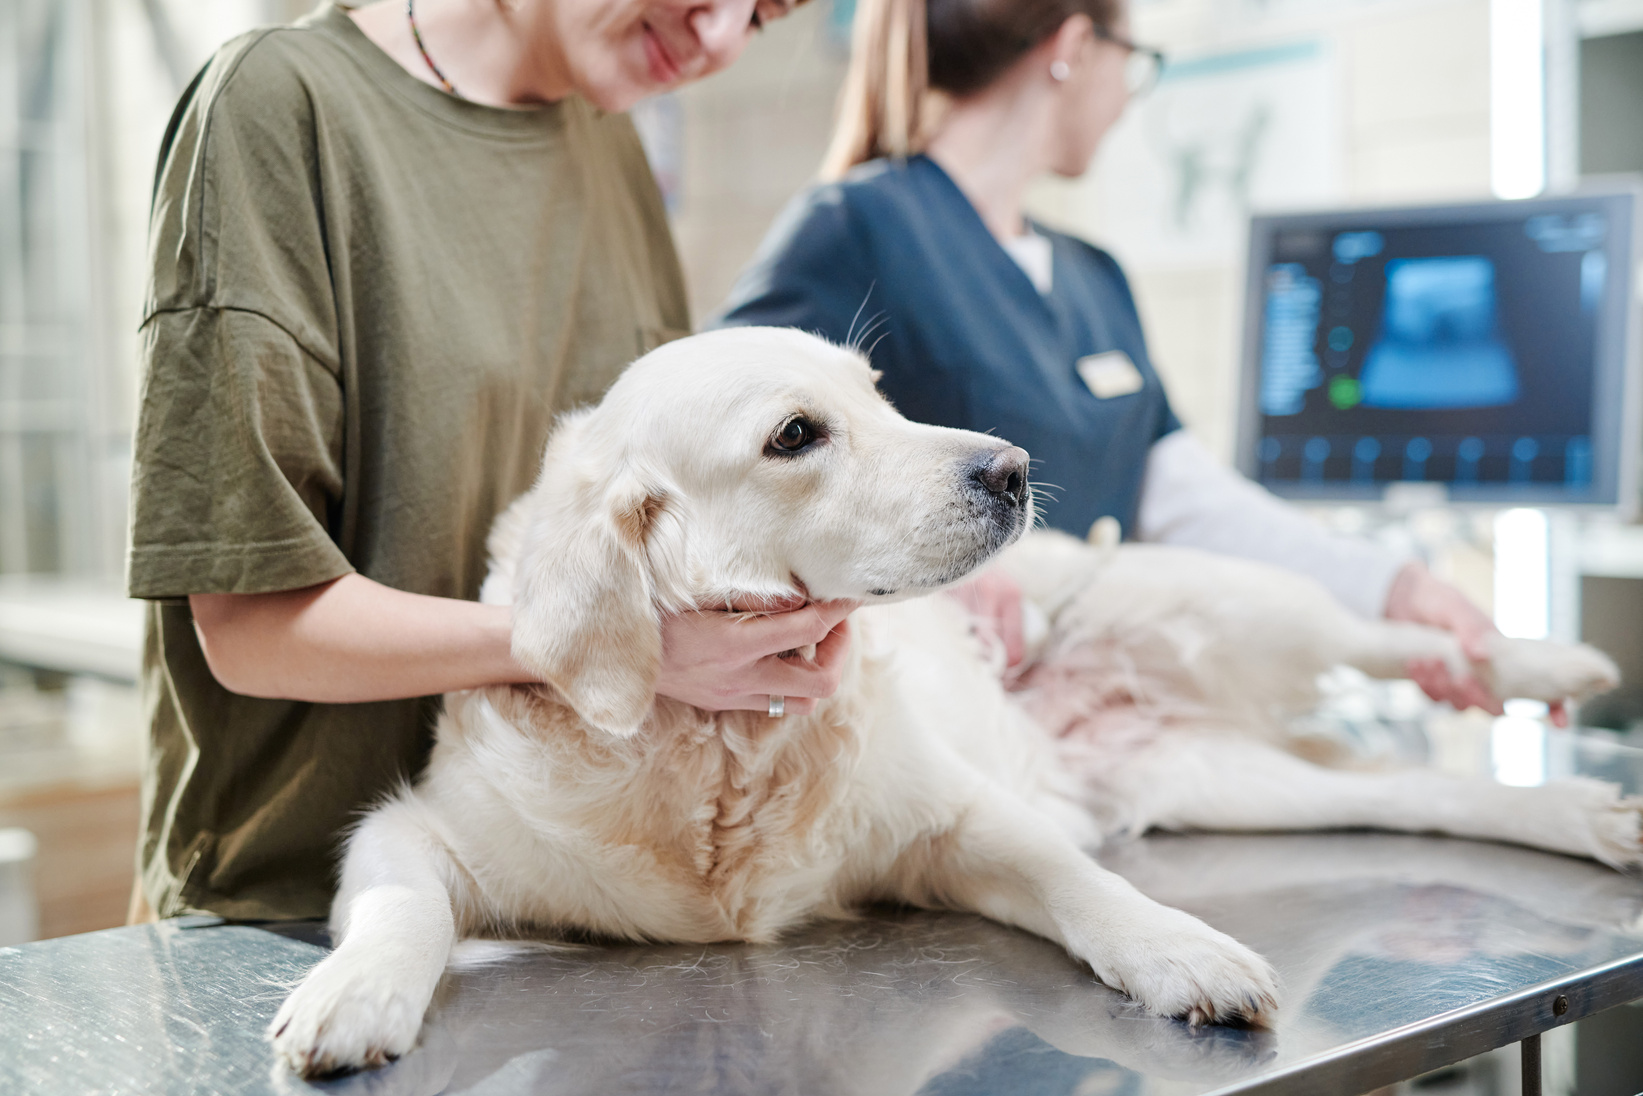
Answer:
(794, 436)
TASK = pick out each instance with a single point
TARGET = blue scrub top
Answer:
(896, 259)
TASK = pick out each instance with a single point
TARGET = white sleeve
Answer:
(1191, 499)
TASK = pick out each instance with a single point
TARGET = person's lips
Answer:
(663, 68)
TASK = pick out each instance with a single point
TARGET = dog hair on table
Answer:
(758, 462)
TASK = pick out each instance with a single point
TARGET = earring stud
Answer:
(1060, 70)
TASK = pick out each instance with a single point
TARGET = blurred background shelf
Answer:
(70, 748)
(83, 862)
(71, 626)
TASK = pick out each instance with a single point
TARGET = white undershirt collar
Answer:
(1032, 253)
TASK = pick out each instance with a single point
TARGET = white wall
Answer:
(1410, 92)
(753, 137)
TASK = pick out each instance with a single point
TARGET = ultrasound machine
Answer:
(1453, 361)
(1486, 351)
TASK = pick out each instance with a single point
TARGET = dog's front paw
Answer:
(345, 1016)
(1177, 966)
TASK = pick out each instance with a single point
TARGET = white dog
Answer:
(758, 462)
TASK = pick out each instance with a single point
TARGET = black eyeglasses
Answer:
(1144, 65)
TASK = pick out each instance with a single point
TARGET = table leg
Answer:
(1531, 1066)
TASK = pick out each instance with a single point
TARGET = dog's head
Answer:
(740, 464)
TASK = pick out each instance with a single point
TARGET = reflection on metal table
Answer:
(1398, 955)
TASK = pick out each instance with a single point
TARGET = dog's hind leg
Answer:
(1190, 781)
(1004, 861)
(393, 927)
(1531, 668)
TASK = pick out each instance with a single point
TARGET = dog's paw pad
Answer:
(339, 1020)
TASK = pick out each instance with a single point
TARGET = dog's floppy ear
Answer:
(584, 616)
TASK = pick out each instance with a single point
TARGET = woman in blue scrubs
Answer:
(917, 249)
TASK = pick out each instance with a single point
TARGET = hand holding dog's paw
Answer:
(1177, 966)
(346, 1016)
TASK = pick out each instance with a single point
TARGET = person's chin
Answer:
(624, 85)
(619, 91)
(616, 100)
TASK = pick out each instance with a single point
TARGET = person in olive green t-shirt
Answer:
(374, 285)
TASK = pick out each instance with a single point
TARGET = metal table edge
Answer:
(1463, 1033)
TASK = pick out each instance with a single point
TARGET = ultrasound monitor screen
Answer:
(1472, 350)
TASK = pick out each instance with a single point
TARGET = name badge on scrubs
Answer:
(1110, 374)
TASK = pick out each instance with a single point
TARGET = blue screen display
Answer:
(1453, 353)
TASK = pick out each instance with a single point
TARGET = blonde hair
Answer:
(907, 56)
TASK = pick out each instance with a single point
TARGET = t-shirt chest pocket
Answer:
(1110, 375)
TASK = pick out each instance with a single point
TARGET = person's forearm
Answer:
(353, 640)
(1189, 498)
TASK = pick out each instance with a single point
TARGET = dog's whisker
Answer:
(875, 346)
(849, 340)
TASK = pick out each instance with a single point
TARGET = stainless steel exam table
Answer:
(1398, 955)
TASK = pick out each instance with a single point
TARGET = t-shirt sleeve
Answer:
(237, 468)
(237, 479)
(814, 272)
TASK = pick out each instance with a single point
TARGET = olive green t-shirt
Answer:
(369, 300)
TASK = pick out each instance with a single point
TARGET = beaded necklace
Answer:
(410, 14)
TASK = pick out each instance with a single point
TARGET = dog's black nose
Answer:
(1004, 475)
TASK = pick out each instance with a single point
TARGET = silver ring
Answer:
(778, 705)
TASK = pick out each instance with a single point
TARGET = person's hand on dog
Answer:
(1420, 597)
(737, 660)
(994, 601)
